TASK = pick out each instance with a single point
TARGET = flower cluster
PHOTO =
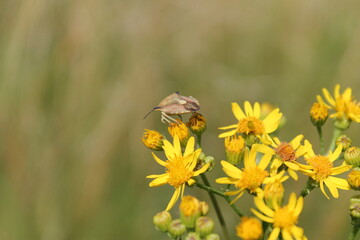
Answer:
(258, 162)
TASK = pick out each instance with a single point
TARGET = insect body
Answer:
(175, 104)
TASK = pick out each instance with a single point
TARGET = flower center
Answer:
(284, 218)
(251, 125)
(252, 178)
(178, 172)
(285, 152)
(322, 166)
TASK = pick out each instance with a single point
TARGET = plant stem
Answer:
(310, 185)
(223, 195)
(336, 134)
(322, 145)
(215, 204)
(353, 233)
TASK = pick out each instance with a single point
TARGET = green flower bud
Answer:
(234, 147)
(204, 226)
(344, 141)
(352, 156)
(212, 236)
(355, 210)
(176, 228)
(162, 221)
(192, 236)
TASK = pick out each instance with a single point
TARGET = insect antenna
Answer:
(151, 112)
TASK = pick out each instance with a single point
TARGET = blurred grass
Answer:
(76, 79)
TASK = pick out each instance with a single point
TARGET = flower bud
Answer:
(355, 210)
(153, 140)
(192, 236)
(234, 147)
(190, 210)
(204, 208)
(344, 141)
(204, 226)
(250, 139)
(212, 236)
(354, 179)
(176, 228)
(273, 191)
(249, 229)
(318, 114)
(197, 123)
(181, 130)
(352, 156)
(162, 221)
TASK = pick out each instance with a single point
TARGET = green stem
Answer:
(223, 195)
(322, 145)
(353, 233)
(336, 134)
(216, 205)
(310, 185)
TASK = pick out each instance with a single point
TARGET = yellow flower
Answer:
(321, 169)
(180, 167)
(250, 122)
(249, 178)
(343, 104)
(153, 140)
(284, 153)
(249, 229)
(283, 219)
(181, 130)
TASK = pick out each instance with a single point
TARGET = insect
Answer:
(175, 104)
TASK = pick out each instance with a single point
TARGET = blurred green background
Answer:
(77, 78)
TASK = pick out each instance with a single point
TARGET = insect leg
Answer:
(167, 118)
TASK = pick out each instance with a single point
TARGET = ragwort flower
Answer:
(321, 169)
(250, 178)
(283, 219)
(250, 121)
(343, 104)
(284, 153)
(180, 167)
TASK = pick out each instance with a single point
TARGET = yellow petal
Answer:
(257, 110)
(333, 190)
(174, 198)
(323, 190)
(347, 94)
(231, 193)
(228, 127)
(237, 197)
(264, 162)
(336, 153)
(238, 113)
(260, 204)
(292, 201)
(231, 170)
(328, 97)
(262, 148)
(226, 180)
(191, 182)
(292, 165)
(168, 149)
(274, 234)
(158, 160)
(189, 146)
(248, 109)
(293, 174)
(249, 158)
(159, 181)
(286, 235)
(295, 143)
(272, 118)
(339, 182)
(299, 206)
(340, 169)
(228, 134)
(261, 216)
(202, 169)
(308, 148)
(320, 100)
(177, 146)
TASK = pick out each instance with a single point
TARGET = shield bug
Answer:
(175, 104)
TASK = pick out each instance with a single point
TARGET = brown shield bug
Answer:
(175, 104)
